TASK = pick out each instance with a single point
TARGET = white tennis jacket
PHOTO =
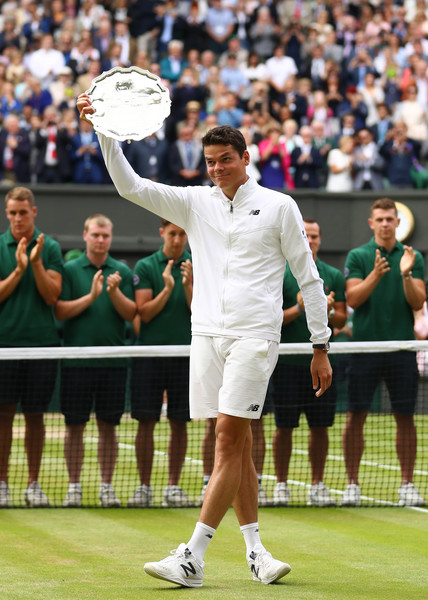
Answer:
(239, 251)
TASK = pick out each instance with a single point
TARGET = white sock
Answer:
(199, 541)
(252, 537)
(75, 487)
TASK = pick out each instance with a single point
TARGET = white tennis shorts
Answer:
(230, 376)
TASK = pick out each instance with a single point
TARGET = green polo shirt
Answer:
(385, 315)
(100, 324)
(25, 319)
(172, 325)
(297, 331)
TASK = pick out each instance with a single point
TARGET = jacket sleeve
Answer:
(171, 203)
(296, 250)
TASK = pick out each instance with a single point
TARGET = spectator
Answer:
(254, 152)
(324, 144)
(186, 90)
(372, 95)
(9, 37)
(8, 103)
(263, 34)
(259, 98)
(413, 115)
(170, 25)
(63, 91)
(193, 30)
(46, 62)
(229, 113)
(186, 159)
(339, 164)
(401, 156)
(30, 283)
(380, 130)
(235, 48)
(97, 299)
(88, 164)
(232, 75)
(84, 81)
(333, 92)
(219, 26)
(127, 44)
(15, 148)
(82, 54)
(163, 292)
(54, 150)
(384, 285)
(368, 164)
(306, 160)
(254, 69)
(149, 157)
(275, 160)
(38, 98)
(173, 64)
(279, 68)
(353, 103)
(103, 35)
(292, 392)
(320, 111)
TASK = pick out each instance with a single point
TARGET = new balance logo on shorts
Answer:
(254, 212)
(253, 407)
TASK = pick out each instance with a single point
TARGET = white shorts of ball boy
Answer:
(230, 376)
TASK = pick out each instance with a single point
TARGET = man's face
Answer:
(383, 223)
(174, 239)
(226, 168)
(21, 215)
(314, 237)
(98, 238)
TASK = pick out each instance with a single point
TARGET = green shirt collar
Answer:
(398, 246)
(87, 263)
(11, 240)
(160, 256)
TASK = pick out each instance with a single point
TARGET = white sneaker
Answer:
(4, 495)
(142, 498)
(319, 495)
(73, 497)
(175, 496)
(351, 495)
(107, 496)
(202, 496)
(35, 497)
(408, 495)
(181, 568)
(281, 494)
(263, 498)
(265, 568)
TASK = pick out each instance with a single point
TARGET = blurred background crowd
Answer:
(328, 94)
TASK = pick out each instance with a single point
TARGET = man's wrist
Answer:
(324, 347)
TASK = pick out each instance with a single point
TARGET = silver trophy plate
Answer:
(130, 103)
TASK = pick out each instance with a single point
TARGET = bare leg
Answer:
(318, 448)
(107, 450)
(74, 451)
(208, 447)
(405, 443)
(7, 414)
(145, 449)
(176, 450)
(259, 444)
(233, 442)
(282, 447)
(353, 443)
(34, 443)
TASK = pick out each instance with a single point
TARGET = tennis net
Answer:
(380, 471)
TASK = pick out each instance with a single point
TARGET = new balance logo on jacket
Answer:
(254, 212)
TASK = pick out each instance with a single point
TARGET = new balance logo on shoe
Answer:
(188, 569)
(253, 407)
(254, 212)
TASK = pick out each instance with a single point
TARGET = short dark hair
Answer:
(225, 135)
(384, 204)
(311, 221)
(165, 223)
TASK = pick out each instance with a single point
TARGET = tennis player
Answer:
(241, 236)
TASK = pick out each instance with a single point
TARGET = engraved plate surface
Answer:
(130, 103)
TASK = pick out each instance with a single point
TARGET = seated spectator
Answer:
(339, 164)
(401, 154)
(87, 159)
(186, 159)
(229, 112)
(275, 160)
(368, 164)
(15, 148)
(54, 150)
(306, 160)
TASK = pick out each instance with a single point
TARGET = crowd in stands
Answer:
(329, 94)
